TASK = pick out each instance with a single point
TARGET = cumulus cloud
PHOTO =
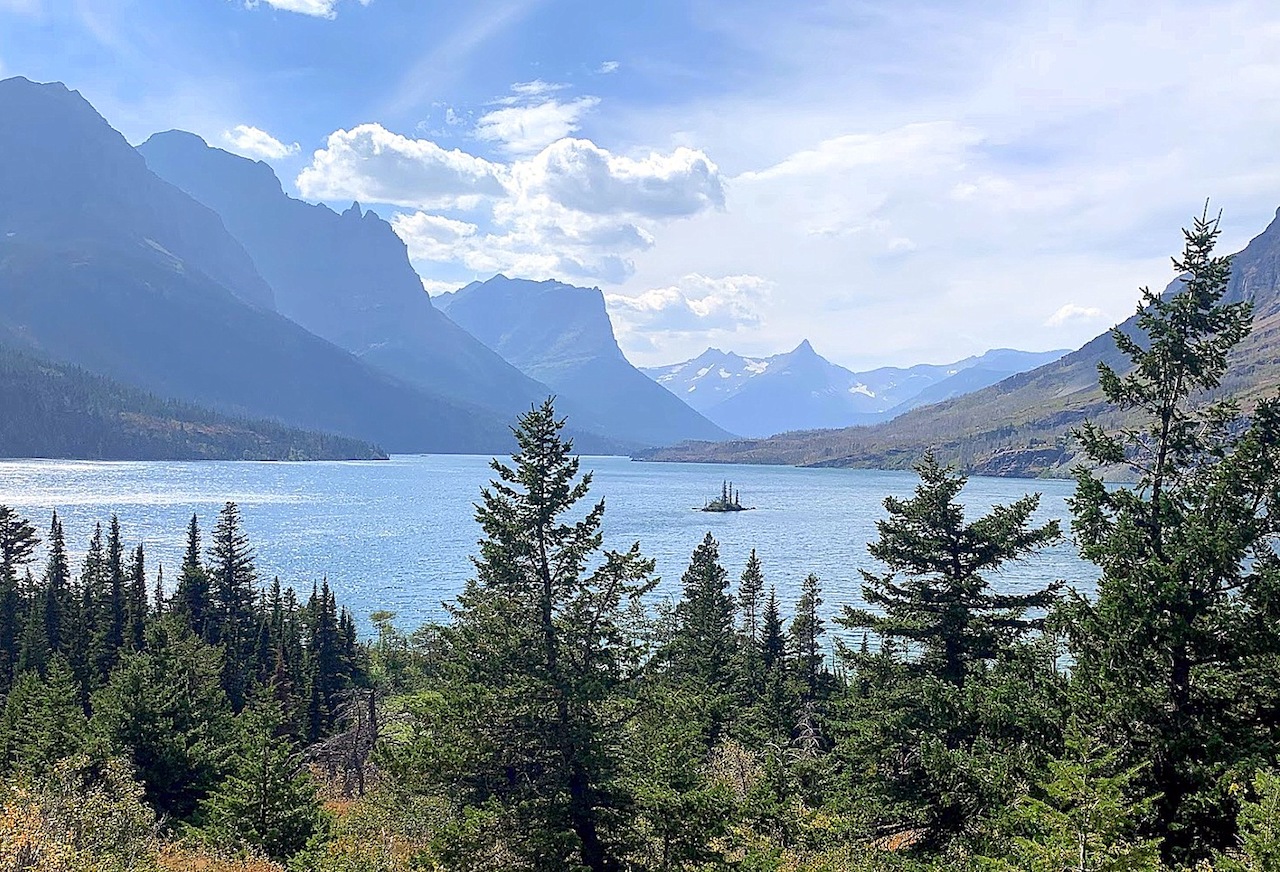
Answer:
(697, 304)
(580, 175)
(607, 67)
(573, 210)
(255, 142)
(1071, 312)
(314, 8)
(371, 163)
(528, 129)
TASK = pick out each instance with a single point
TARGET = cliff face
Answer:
(561, 335)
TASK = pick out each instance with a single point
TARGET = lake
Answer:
(397, 534)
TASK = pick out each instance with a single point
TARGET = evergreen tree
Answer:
(542, 659)
(1174, 658)
(807, 629)
(108, 607)
(84, 654)
(191, 598)
(233, 575)
(1082, 818)
(43, 721)
(775, 706)
(267, 799)
(18, 541)
(164, 709)
(135, 604)
(702, 647)
(33, 648)
(945, 605)
(60, 604)
(750, 601)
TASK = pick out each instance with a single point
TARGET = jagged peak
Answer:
(353, 210)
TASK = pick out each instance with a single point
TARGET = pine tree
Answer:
(945, 605)
(33, 648)
(84, 654)
(18, 541)
(1082, 818)
(60, 605)
(542, 660)
(703, 644)
(164, 710)
(233, 576)
(43, 721)
(135, 604)
(1170, 656)
(108, 607)
(191, 598)
(267, 799)
(807, 629)
(775, 706)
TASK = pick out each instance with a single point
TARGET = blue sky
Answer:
(896, 181)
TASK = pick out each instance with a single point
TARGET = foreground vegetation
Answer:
(561, 719)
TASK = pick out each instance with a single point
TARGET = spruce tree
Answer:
(703, 645)
(191, 598)
(135, 604)
(1174, 657)
(18, 541)
(945, 606)
(267, 800)
(806, 631)
(108, 606)
(750, 601)
(233, 576)
(85, 655)
(542, 661)
(60, 604)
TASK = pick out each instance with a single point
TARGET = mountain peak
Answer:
(353, 211)
(804, 348)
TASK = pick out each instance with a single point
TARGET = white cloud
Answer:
(255, 142)
(573, 211)
(697, 305)
(582, 176)
(1072, 312)
(373, 164)
(607, 67)
(523, 130)
(314, 8)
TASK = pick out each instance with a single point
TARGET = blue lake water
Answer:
(397, 534)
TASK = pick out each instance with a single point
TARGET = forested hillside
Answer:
(55, 410)
(562, 719)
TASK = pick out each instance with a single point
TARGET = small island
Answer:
(728, 501)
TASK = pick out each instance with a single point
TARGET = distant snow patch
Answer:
(755, 367)
(862, 389)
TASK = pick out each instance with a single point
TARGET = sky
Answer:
(898, 182)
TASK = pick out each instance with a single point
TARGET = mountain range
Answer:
(561, 335)
(188, 273)
(801, 390)
(1022, 425)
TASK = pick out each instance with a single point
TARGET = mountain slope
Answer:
(106, 266)
(346, 278)
(800, 390)
(1019, 425)
(561, 335)
(55, 410)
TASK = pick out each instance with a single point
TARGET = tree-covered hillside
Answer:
(55, 410)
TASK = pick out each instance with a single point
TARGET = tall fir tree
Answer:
(541, 660)
(806, 632)
(945, 606)
(191, 598)
(1175, 658)
(135, 602)
(233, 576)
(18, 542)
(60, 604)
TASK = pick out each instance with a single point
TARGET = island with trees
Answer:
(728, 501)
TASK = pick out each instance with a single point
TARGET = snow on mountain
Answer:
(801, 390)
